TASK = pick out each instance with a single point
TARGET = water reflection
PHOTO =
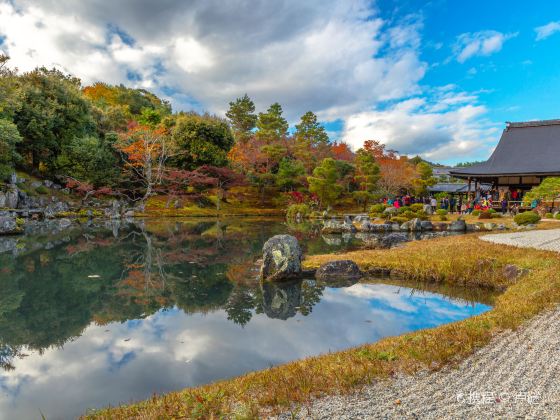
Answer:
(106, 314)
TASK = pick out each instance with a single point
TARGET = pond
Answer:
(105, 314)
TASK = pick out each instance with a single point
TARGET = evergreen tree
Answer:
(310, 131)
(242, 117)
(367, 175)
(271, 125)
(289, 174)
(323, 182)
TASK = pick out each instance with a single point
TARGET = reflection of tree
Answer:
(311, 293)
(50, 295)
(240, 304)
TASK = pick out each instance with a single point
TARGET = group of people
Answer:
(452, 204)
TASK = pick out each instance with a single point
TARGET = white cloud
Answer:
(447, 125)
(547, 30)
(481, 43)
(333, 57)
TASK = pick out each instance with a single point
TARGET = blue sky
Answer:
(436, 78)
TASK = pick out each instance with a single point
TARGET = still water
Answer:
(99, 315)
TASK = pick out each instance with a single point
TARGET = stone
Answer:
(36, 184)
(439, 226)
(384, 241)
(426, 225)
(384, 227)
(391, 210)
(457, 226)
(13, 179)
(338, 270)
(414, 225)
(48, 183)
(2, 199)
(281, 258)
(489, 226)
(129, 213)
(64, 223)
(334, 226)
(12, 198)
(427, 209)
(9, 226)
(53, 209)
(512, 272)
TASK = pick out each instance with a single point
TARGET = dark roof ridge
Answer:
(536, 123)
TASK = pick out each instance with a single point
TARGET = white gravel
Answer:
(516, 376)
(540, 239)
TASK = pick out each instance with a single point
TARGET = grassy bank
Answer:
(463, 260)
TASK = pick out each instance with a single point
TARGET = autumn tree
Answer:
(396, 171)
(342, 151)
(367, 176)
(242, 117)
(271, 125)
(144, 151)
(323, 182)
(224, 177)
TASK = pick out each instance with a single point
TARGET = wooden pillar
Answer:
(469, 190)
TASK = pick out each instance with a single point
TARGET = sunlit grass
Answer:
(462, 260)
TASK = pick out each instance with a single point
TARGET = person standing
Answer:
(504, 205)
(433, 203)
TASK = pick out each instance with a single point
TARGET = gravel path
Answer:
(516, 375)
(541, 239)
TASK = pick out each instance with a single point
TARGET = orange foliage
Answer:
(397, 172)
(342, 151)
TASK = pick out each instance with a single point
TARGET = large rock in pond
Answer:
(426, 225)
(8, 226)
(457, 226)
(281, 258)
(340, 273)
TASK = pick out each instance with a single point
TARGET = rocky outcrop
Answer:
(337, 271)
(457, 226)
(336, 226)
(9, 226)
(281, 258)
(384, 241)
(12, 198)
(413, 225)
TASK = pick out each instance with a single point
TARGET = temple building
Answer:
(527, 153)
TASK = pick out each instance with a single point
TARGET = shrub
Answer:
(526, 218)
(485, 215)
(294, 209)
(491, 211)
(548, 216)
(557, 216)
(20, 221)
(399, 219)
(377, 208)
(441, 212)
(408, 215)
(403, 209)
(476, 213)
(442, 217)
(496, 216)
(41, 189)
(417, 207)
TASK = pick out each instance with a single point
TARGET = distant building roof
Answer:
(525, 148)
